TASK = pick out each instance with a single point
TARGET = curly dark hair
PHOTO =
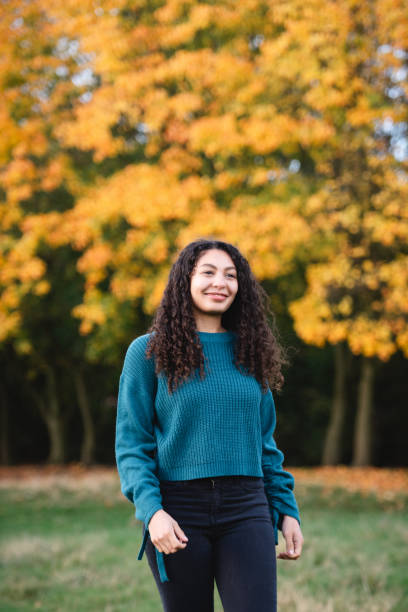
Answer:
(175, 342)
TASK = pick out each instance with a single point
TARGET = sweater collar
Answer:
(216, 337)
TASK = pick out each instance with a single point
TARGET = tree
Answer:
(356, 287)
(38, 183)
(233, 100)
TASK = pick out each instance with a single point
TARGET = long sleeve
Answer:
(135, 443)
(279, 483)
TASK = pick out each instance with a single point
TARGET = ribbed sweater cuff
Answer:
(286, 511)
(149, 515)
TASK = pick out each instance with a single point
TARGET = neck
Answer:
(210, 325)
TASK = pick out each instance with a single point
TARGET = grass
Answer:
(72, 545)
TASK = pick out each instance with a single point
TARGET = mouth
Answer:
(218, 295)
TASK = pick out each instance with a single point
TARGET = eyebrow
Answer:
(211, 265)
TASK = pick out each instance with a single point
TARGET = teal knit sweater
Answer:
(219, 426)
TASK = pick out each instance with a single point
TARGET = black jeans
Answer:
(230, 539)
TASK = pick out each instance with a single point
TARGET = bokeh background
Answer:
(130, 128)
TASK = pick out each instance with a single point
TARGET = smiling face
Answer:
(214, 283)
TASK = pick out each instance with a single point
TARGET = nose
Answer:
(218, 281)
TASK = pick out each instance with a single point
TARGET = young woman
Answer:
(194, 438)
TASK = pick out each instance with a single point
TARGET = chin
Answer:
(213, 311)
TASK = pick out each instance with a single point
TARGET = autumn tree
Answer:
(227, 102)
(190, 104)
(39, 180)
(357, 293)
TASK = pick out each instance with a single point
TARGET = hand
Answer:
(165, 533)
(293, 537)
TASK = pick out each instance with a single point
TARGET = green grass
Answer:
(73, 549)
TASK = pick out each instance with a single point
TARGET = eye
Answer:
(211, 272)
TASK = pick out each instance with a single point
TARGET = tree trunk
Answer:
(5, 448)
(362, 445)
(88, 441)
(332, 450)
(51, 413)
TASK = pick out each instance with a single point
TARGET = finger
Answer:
(172, 544)
(176, 545)
(167, 546)
(293, 557)
(284, 555)
(158, 547)
(177, 538)
(180, 533)
(298, 543)
(290, 547)
(162, 546)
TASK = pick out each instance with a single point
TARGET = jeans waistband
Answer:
(213, 480)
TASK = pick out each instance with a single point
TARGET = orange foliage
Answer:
(255, 122)
(382, 482)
